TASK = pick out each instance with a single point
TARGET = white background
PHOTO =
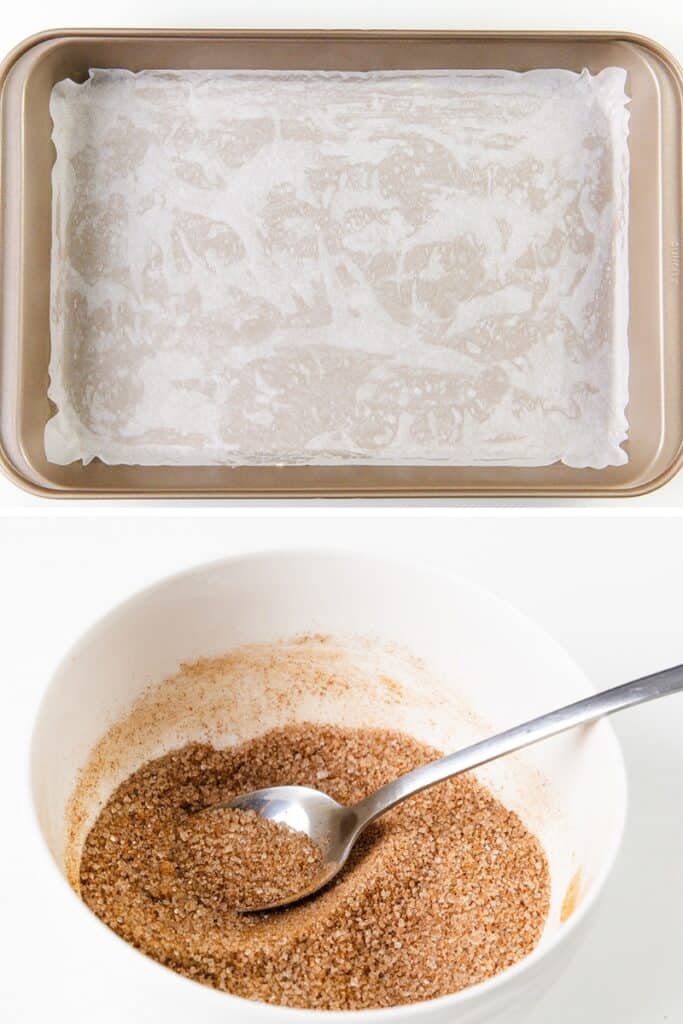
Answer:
(661, 19)
(608, 588)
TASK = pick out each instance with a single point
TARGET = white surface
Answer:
(609, 589)
(468, 689)
(295, 279)
(657, 18)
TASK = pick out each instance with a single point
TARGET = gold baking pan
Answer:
(655, 411)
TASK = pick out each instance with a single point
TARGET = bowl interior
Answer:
(357, 641)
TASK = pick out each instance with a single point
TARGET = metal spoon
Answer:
(335, 828)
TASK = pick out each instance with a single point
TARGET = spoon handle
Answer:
(660, 684)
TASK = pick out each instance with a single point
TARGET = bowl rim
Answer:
(295, 1015)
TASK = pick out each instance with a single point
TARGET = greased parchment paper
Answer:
(335, 267)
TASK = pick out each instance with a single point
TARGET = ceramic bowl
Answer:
(420, 650)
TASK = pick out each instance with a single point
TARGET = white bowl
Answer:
(484, 666)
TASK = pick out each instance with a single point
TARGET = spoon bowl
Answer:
(331, 826)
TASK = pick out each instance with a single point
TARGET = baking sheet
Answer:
(336, 267)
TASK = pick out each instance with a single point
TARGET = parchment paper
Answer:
(334, 267)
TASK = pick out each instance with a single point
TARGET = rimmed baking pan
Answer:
(655, 411)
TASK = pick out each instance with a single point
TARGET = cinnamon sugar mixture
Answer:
(235, 858)
(442, 892)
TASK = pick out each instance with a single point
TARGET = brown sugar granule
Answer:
(234, 858)
(444, 891)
